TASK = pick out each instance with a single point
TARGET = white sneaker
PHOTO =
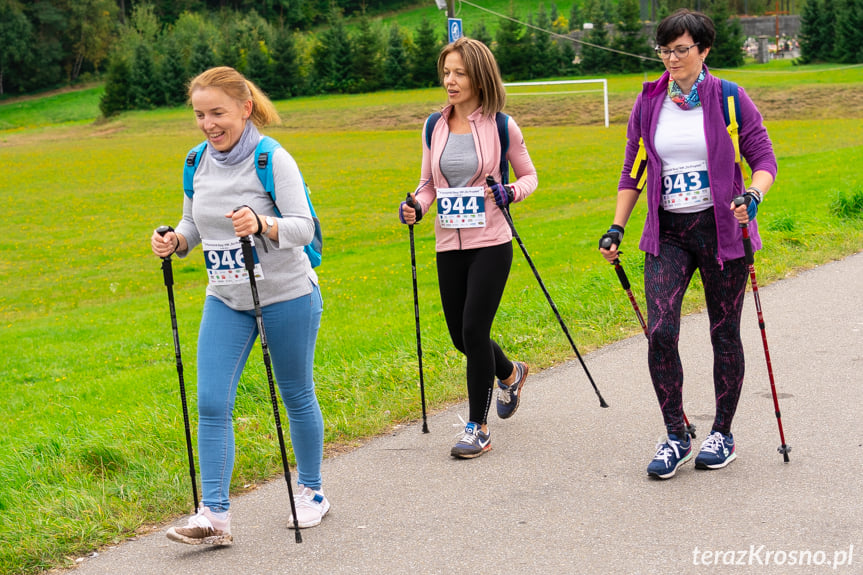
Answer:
(311, 507)
(203, 528)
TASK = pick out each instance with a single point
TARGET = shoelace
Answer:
(505, 394)
(713, 443)
(307, 499)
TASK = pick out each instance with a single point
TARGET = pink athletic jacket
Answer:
(484, 129)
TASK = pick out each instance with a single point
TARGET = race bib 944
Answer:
(461, 207)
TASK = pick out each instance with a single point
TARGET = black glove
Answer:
(503, 195)
(613, 236)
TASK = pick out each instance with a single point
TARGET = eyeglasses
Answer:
(681, 52)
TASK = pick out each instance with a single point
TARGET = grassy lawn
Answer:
(93, 448)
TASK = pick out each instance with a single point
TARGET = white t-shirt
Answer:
(682, 148)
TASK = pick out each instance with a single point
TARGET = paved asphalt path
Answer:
(565, 490)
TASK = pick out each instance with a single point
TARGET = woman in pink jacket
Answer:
(474, 241)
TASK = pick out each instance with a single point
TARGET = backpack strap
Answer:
(731, 112)
(192, 160)
(502, 121)
(431, 122)
(264, 168)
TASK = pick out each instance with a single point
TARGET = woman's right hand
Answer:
(164, 245)
(609, 243)
(410, 214)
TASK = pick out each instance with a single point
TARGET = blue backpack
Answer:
(264, 169)
(501, 120)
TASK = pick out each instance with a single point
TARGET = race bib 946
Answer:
(225, 263)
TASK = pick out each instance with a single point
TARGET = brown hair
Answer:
(481, 69)
(236, 86)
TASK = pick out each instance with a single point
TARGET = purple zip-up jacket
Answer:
(726, 179)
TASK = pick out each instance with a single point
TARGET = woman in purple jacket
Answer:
(474, 241)
(692, 223)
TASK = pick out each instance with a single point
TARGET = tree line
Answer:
(831, 31)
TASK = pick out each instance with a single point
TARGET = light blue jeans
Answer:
(225, 340)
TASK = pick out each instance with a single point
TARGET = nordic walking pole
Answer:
(624, 282)
(784, 448)
(168, 273)
(490, 182)
(410, 202)
(249, 261)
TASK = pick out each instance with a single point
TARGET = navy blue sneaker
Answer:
(669, 456)
(508, 396)
(472, 443)
(717, 451)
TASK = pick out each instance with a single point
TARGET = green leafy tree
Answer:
(202, 57)
(16, 36)
(727, 51)
(90, 28)
(423, 56)
(118, 88)
(396, 74)
(512, 53)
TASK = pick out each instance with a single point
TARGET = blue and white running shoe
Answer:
(508, 396)
(669, 456)
(717, 451)
(472, 443)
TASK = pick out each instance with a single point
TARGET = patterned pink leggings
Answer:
(688, 242)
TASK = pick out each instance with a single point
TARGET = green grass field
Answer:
(94, 450)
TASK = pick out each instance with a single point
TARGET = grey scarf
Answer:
(241, 150)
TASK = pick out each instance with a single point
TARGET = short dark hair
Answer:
(699, 26)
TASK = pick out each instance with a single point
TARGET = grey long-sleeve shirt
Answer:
(218, 190)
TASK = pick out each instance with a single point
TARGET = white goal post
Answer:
(602, 81)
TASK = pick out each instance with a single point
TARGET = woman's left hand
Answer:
(246, 222)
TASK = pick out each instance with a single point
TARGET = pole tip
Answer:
(298, 537)
(602, 402)
(425, 427)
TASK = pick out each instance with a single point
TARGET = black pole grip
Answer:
(162, 230)
(747, 243)
(248, 256)
(605, 243)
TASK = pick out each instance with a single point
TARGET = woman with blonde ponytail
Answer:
(229, 110)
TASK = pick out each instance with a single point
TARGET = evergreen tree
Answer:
(333, 56)
(595, 59)
(15, 38)
(423, 57)
(118, 88)
(827, 23)
(512, 52)
(285, 80)
(576, 16)
(202, 57)
(629, 38)
(368, 67)
(396, 74)
(566, 59)
(727, 51)
(543, 51)
(173, 74)
(146, 88)
(480, 32)
(810, 35)
(848, 45)
(257, 67)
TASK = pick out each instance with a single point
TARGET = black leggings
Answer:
(471, 287)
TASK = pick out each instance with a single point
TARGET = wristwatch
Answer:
(270, 223)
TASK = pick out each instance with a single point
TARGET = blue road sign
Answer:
(454, 29)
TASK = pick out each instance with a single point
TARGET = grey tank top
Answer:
(459, 163)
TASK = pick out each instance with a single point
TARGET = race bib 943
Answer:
(461, 207)
(685, 185)
(225, 263)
